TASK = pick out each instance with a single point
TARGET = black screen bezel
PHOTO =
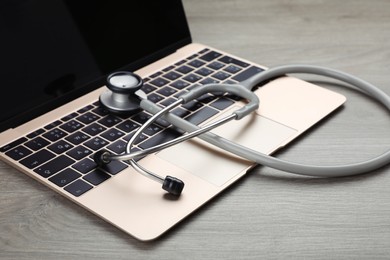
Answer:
(41, 109)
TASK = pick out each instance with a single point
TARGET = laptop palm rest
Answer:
(216, 166)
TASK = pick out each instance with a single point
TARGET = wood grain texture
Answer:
(268, 214)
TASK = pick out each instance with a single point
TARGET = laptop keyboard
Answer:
(62, 151)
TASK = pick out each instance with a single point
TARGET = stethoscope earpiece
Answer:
(120, 98)
(173, 185)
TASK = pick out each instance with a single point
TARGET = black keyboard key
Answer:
(94, 129)
(196, 63)
(220, 75)
(155, 98)
(96, 143)
(201, 115)
(88, 118)
(101, 111)
(168, 68)
(184, 69)
(96, 177)
(159, 82)
(114, 167)
(18, 152)
(193, 56)
(208, 81)
(192, 78)
(37, 143)
(228, 60)
(37, 158)
(55, 134)
(79, 152)
(118, 147)
(216, 65)
(222, 103)
(154, 75)
(48, 169)
(112, 134)
(128, 126)
(152, 129)
(141, 117)
(109, 120)
(162, 137)
(179, 84)
(78, 187)
(249, 72)
(85, 165)
(148, 88)
(180, 62)
(35, 133)
(140, 138)
(204, 71)
(77, 138)
(53, 124)
(69, 117)
(232, 69)
(172, 75)
(13, 144)
(85, 109)
(210, 56)
(60, 146)
(65, 177)
(71, 126)
(167, 91)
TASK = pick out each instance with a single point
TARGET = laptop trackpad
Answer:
(217, 167)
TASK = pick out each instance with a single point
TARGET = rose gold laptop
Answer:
(58, 56)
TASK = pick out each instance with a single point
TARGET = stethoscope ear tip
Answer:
(173, 185)
(101, 158)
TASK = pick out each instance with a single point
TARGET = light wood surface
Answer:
(268, 214)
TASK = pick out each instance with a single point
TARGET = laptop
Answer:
(54, 67)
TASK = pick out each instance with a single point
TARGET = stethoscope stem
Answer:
(145, 172)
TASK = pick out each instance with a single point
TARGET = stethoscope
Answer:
(124, 96)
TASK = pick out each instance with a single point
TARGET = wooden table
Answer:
(268, 214)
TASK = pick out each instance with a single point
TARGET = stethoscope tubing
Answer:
(283, 165)
(243, 89)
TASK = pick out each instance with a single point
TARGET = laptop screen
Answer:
(55, 50)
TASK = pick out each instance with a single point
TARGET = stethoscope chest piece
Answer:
(121, 96)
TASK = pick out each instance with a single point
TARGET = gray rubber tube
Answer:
(296, 168)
